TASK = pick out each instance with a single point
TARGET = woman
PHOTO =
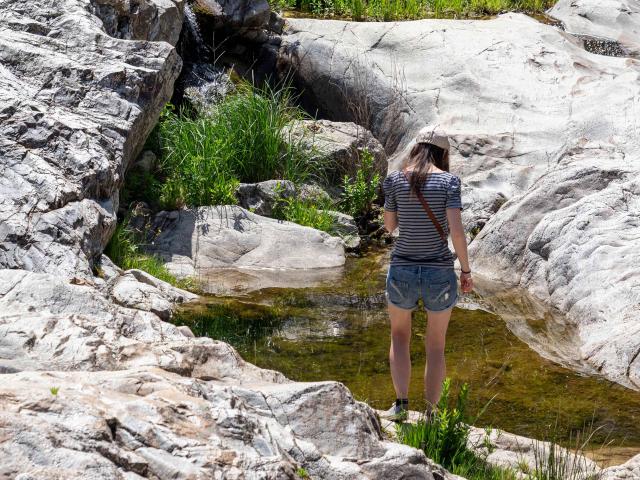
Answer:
(424, 201)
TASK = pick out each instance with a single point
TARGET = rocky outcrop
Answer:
(207, 241)
(159, 404)
(338, 145)
(543, 141)
(79, 92)
(608, 20)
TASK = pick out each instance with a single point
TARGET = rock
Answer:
(338, 144)
(276, 23)
(526, 137)
(152, 20)
(626, 471)
(168, 406)
(204, 85)
(77, 105)
(613, 20)
(313, 193)
(235, 15)
(131, 293)
(345, 226)
(153, 424)
(261, 198)
(147, 161)
(197, 241)
(519, 453)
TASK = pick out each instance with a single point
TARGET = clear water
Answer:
(340, 332)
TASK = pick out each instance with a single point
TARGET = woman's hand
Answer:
(466, 282)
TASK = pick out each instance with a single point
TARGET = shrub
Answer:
(309, 213)
(387, 10)
(360, 192)
(246, 137)
(443, 438)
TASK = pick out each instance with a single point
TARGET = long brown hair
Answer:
(421, 157)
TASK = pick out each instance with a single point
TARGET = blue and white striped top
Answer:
(419, 242)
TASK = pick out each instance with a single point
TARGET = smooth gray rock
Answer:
(338, 144)
(523, 104)
(154, 424)
(260, 198)
(617, 20)
(193, 242)
(76, 105)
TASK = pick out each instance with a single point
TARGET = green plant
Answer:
(248, 136)
(360, 192)
(444, 434)
(304, 212)
(302, 473)
(54, 390)
(123, 249)
(553, 462)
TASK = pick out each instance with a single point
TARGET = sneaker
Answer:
(397, 413)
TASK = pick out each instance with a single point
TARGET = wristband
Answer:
(466, 273)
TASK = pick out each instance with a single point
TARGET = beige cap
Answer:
(434, 136)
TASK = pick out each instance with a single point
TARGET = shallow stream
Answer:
(339, 331)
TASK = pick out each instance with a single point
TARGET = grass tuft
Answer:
(246, 137)
(124, 250)
(389, 10)
(443, 438)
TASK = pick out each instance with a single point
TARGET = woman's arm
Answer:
(459, 241)
(390, 221)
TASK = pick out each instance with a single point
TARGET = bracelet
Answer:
(466, 273)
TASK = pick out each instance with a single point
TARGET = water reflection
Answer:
(340, 332)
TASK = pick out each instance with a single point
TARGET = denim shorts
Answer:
(438, 287)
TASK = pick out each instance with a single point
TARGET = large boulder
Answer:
(159, 404)
(79, 93)
(152, 20)
(206, 241)
(338, 145)
(544, 141)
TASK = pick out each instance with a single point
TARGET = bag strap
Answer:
(430, 213)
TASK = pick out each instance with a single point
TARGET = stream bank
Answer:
(339, 330)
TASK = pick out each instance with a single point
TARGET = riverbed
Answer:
(338, 330)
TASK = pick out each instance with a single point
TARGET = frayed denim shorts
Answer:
(438, 287)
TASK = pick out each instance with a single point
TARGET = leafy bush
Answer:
(360, 192)
(309, 213)
(443, 437)
(246, 137)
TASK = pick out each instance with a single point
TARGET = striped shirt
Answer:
(419, 242)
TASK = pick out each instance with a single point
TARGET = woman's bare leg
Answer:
(435, 369)
(399, 355)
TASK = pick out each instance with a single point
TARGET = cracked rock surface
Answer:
(158, 404)
(617, 20)
(80, 89)
(544, 138)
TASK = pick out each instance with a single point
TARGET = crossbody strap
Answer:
(430, 213)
